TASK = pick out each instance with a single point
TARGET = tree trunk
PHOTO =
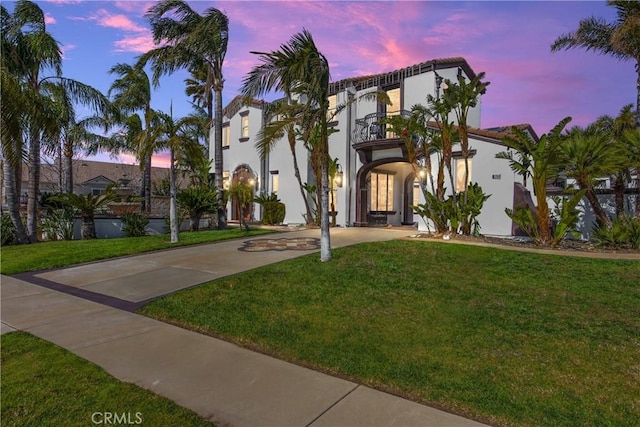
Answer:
(68, 172)
(173, 208)
(194, 219)
(88, 227)
(544, 227)
(146, 186)
(296, 171)
(34, 189)
(325, 238)
(638, 92)
(601, 216)
(219, 164)
(618, 191)
(13, 202)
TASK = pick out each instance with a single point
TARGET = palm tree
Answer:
(620, 39)
(631, 139)
(86, 205)
(176, 136)
(462, 97)
(304, 71)
(588, 157)
(30, 51)
(545, 164)
(71, 133)
(615, 127)
(131, 93)
(289, 114)
(198, 43)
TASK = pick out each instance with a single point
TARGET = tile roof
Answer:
(87, 170)
(374, 80)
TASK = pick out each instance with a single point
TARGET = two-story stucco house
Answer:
(378, 185)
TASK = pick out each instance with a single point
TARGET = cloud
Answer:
(48, 19)
(64, 2)
(133, 6)
(138, 44)
(121, 22)
(67, 48)
(137, 38)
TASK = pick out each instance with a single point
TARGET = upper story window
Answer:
(226, 135)
(333, 104)
(244, 125)
(394, 108)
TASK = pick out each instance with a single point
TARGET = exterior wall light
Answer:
(339, 177)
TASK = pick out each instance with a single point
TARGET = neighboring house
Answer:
(91, 177)
(378, 185)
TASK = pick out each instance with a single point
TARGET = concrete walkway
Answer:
(86, 309)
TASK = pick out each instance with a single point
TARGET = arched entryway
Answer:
(385, 193)
(243, 174)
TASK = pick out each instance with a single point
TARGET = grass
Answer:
(506, 337)
(45, 255)
(45, 385)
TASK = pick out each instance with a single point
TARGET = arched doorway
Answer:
(243, 174)
(383, 188)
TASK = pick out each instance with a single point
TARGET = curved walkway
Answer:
(81, 309)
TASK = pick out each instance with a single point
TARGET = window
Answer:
(416, 191)
(394, 108)
(96, 191)
(460, 184)
(244, 124)
(225, 180)
(333, 104)
(226, 135)
(275, 181)
(381, 191)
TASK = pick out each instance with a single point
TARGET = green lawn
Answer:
(45, 385)
(44, 255)
(507, 337)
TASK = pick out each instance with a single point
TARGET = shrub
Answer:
(197, 201)
(273, 210)
(134, 225)
(623, 233)
(7, 231)
(58, 225)
(273, 213)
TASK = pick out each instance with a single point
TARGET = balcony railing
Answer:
(371, 127)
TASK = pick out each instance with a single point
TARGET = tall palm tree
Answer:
(301, 70)
(462, 97)
(289, 114)
(131, 93)
(196, 42)
(31, 51)
(177, 137)
(620, 39)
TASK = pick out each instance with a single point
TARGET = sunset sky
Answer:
(508, 40)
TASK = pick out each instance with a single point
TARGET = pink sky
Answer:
(509, 41)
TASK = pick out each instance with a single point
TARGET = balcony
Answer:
(371, 128)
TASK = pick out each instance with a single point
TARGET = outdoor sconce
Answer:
(252, 182)
(339, 177)
(423, 175)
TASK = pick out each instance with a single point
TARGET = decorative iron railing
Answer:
(371, 127)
